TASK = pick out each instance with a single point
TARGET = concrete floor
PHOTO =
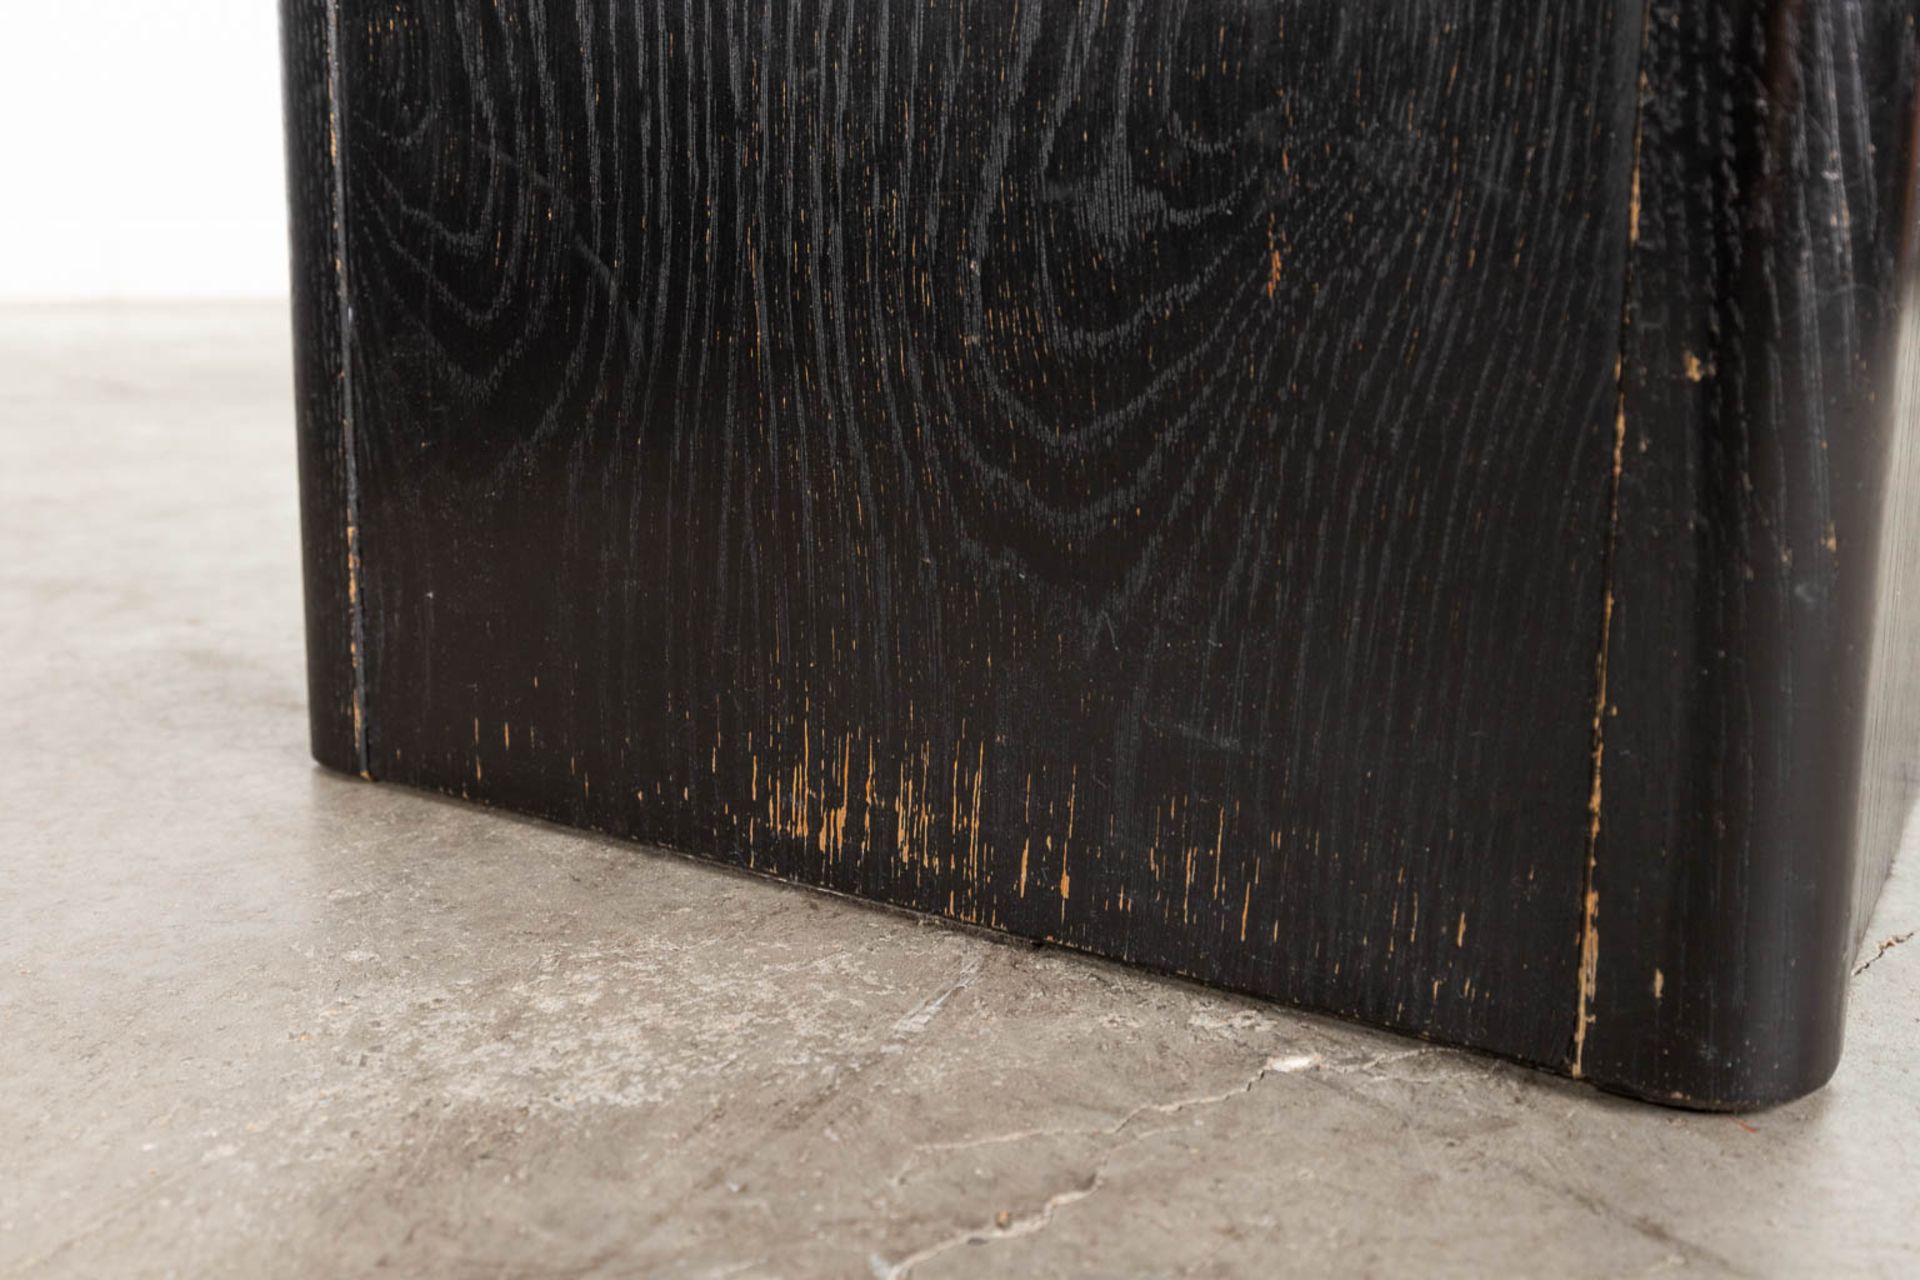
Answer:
(259, 1020)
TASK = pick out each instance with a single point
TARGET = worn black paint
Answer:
(1762, 410)
(320, 385)
(1137, 475)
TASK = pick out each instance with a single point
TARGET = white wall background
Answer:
(140, 150)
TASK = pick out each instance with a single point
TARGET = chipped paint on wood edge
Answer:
(1590, 894)
(356, 605)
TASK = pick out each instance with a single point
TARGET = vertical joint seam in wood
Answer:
(1590, 893)
(356, 609)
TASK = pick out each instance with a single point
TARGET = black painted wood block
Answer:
(1397, 507)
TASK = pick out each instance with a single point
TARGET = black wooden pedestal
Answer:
(1399, 508)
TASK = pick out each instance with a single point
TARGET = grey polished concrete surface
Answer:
(258, 1020)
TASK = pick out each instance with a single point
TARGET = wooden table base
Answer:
(1396, 508)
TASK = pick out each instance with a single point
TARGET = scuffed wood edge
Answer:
(323, 384)
(1590, 895)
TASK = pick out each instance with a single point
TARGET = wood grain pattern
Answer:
(1137, 475)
